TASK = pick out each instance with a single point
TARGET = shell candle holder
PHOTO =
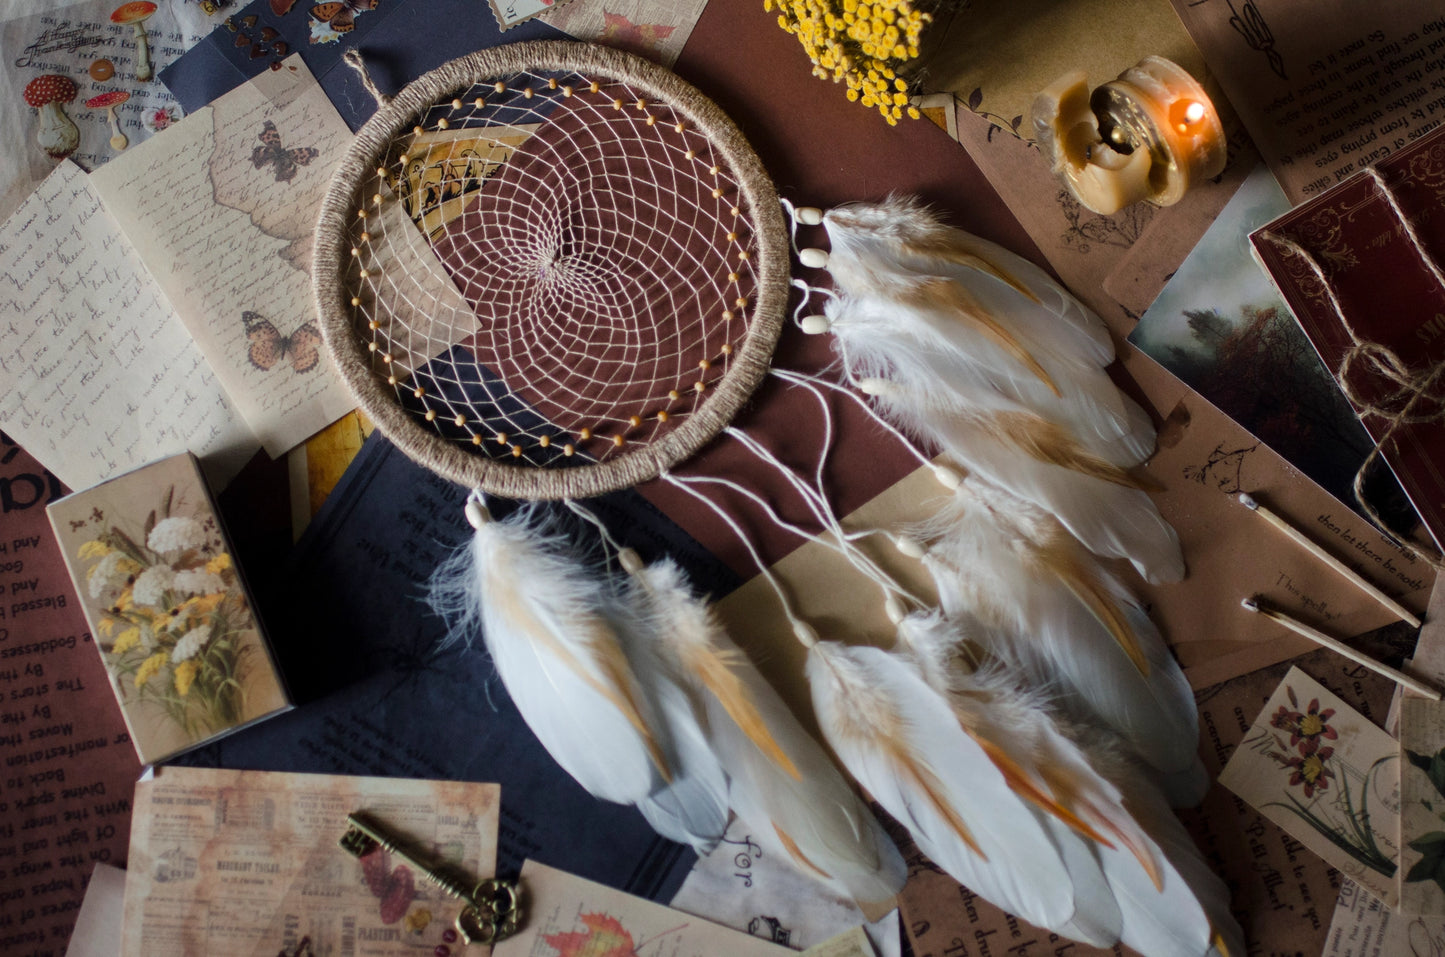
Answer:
(1145, 137)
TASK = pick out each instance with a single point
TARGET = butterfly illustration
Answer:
(97, 515)
(285, 161)
(340, 15)
(77, 524)
(268, 346)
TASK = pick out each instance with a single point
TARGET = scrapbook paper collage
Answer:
(246, 863)
(104, 96)
(170, 294)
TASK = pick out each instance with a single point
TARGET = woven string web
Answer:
(550, 268)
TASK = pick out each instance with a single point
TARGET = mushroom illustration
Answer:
(108, 101)
(58, 135)
(136, 14)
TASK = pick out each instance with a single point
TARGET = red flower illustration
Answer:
(1307, 729)
(1310, 771)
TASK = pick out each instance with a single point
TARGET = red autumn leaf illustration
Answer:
(604, 937)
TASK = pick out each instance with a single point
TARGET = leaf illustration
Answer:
(604, 937)
(1432, 765)
(1432, 843)
(1424, 869)
(1016, 121)
(975, 99)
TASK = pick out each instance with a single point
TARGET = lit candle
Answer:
(1147, 136)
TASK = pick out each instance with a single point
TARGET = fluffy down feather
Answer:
(1150, 888)
(995, 318)
(974, 351)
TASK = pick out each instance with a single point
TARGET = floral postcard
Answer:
(167, 608)
(1422, 806)
(1329, 777)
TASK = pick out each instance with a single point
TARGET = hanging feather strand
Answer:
(539, 611)
(1154, 892)
(1051, 608)
(783, 785)
(902, 742)
(1000, 368)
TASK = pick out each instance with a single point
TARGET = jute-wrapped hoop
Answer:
(353, 349)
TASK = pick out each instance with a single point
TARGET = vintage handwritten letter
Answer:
(1327, 775)
(1324, 88)
(244, 863)
(97, 373)
(222, 208)
(568, 915)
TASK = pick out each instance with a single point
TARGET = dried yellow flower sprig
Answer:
(861, 43)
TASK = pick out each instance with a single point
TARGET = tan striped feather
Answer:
(938, 293)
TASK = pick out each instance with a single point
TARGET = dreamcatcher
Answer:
(549, 271)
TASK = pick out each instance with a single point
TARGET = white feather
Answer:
(800, 807)
(693, 808)
(881, 267)
(1055, 611)
(901, 741)
(1189, 915)
(1110, 518)
(1154, 892)
(540, 613)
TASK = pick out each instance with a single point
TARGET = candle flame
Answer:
(1194, 112)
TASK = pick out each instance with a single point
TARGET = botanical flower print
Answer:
(176, 534)
(177, 615)
(152, 584)
(1307, 729)
(1310, 770)
(197, 581)
(190, 643)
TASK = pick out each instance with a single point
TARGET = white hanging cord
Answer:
(842, 543)
(618, 550)
(803, 379)
(804, 632)
(795, 216)
(868, 569)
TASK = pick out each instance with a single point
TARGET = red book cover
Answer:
(1387, 291)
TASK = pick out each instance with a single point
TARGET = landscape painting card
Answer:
(1422, 806)
(568, 916)
(1222, 328)
(167, 609)
(222, 210)
(1329, 777)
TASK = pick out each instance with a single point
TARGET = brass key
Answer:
(493, 910)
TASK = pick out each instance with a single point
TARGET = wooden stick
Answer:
(1256, 604)
(1299, 538)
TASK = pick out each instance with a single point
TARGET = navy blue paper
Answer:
(400, 40)
(375, 696)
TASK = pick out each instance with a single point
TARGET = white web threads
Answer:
(595, 323)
